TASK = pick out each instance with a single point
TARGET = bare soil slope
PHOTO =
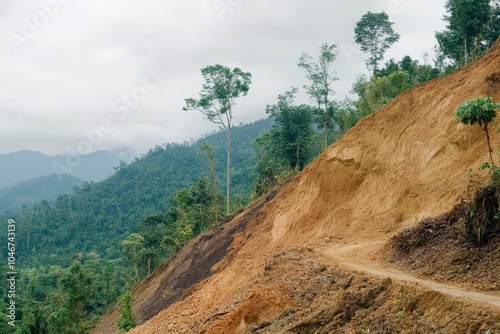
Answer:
(295, 264)
(441, 249)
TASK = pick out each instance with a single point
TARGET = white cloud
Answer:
(89, 53)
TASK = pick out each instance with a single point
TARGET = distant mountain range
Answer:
(25, 165)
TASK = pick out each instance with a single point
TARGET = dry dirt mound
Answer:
(406, 162)
(442, 249)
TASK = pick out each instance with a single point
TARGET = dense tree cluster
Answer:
(33, 191)
(472, 27)
(53, 300)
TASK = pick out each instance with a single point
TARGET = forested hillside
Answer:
(98, 216)
(35, 190)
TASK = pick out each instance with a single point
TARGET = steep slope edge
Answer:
(407, 161)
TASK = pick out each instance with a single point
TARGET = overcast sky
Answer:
(83, 75)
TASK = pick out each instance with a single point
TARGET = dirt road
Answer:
(364, 258)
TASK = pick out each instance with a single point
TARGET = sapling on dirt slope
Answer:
(481, 111)
(483, 212)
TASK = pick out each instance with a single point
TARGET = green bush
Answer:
(127, 320)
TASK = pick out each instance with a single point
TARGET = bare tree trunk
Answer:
(297, 152)
(214, 185)
(466, 54)
(228, 187)
(327, 130)
(136, 271)
(325, 135)
(489, 145)
(215, 188)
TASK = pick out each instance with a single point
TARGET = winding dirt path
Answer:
(364, 258)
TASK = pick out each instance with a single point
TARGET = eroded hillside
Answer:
(307, 258)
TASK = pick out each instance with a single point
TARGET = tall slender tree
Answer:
(321, 78)
(374, 34)
(218, 97)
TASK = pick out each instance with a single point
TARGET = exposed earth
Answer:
(321, 254)
(439, 249)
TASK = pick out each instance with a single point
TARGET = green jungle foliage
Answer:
(127, 320)
(472, 27)
(481, 111)
(56, 300)
(390, 81)
(320, 91)
(115, 232)
(35, 190)
(98, 216)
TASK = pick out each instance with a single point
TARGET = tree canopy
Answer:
(222, 88)
(481, 111)
(374, 34)
(472, 27)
